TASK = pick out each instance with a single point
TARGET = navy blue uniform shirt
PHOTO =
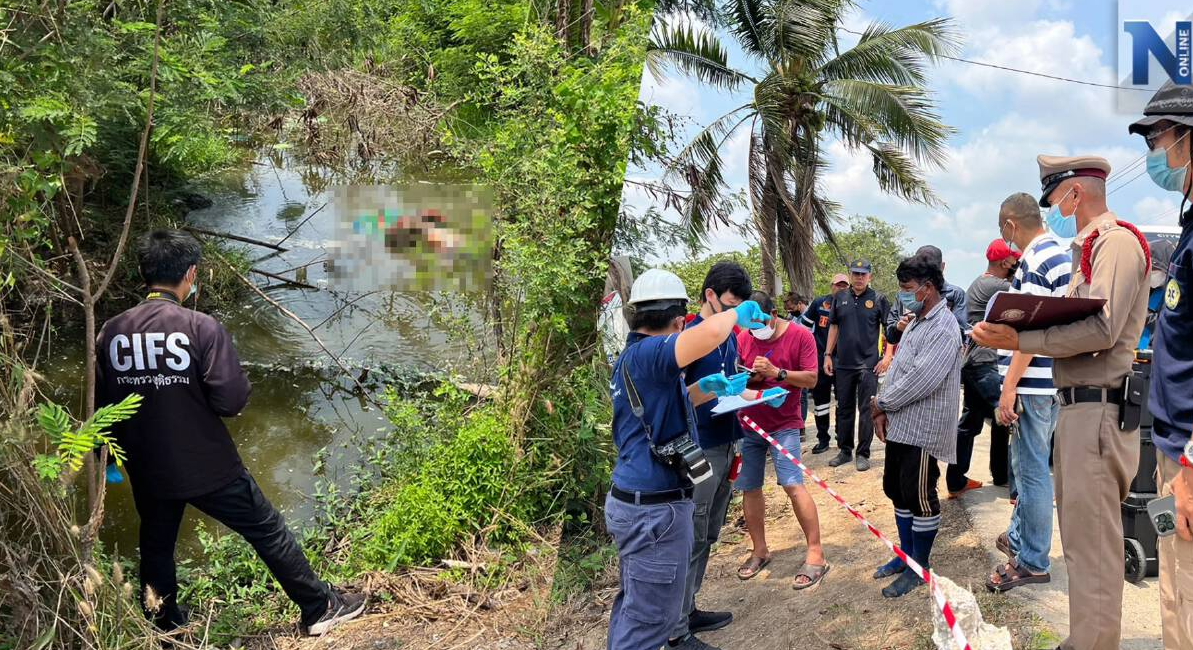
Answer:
(715, 430)
(858, 320)
(1172, 361)
(817, 318)
(664, 395)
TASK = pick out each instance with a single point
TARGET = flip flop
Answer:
(1010, 575)
(1003, 544)
(813, 572)
(752, 567)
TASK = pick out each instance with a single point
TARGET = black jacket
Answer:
(184, 365)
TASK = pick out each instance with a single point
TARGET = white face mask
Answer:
(763, 333)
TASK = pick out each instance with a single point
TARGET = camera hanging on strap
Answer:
(680, 454)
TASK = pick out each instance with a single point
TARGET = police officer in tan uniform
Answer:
(1094, 458)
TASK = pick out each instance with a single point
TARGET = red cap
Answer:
(998, 251)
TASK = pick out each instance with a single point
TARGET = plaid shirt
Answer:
(922, 391)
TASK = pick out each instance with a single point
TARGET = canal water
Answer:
(300, 403)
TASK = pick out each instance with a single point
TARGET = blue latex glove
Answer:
(750, 315)
(716, 384)
(775, 396)
(723, 386)
(113, 475)
(737, 383)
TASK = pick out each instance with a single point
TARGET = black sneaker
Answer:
(820, 448)
(341, 608)
(863, 464)
(844, 457)
(702, 621)
(690, 642)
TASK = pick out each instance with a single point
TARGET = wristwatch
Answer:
(783, 377)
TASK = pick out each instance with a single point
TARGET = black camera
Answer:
(683, 456)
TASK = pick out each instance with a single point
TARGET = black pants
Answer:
(855, 387)
(241, 507)
(909, 479)
(822, 401)
(983, 387)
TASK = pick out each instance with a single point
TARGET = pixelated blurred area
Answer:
(413, 237)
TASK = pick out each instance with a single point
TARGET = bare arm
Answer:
(698, 396)
(695, 342)
(1019, 363)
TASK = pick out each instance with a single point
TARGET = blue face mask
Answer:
(907, 299)
(1166, 177)
(1059, 224)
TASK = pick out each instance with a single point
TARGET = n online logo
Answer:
(1178, 62)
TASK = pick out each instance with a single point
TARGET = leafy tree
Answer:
(882, 243)
(73, 445)
(873, 97)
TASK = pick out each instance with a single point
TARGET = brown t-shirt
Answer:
(184, 365)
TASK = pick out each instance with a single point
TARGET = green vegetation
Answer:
(539, 102)
(884, 244)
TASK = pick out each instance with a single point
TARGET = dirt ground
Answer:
(845, 612)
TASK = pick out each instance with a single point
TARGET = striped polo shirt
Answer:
(1043, 271)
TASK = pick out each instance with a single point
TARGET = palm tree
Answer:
(872, 97)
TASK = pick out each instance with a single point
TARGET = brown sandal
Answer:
(752, 567)
(1011, 575)
(813, 572)
(1003, 544)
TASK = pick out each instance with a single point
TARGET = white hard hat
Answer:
(657, 284)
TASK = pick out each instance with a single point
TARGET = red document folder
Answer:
(1024, 311)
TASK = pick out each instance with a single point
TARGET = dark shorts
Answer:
(909, 479)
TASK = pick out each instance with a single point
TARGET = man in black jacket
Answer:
(184, 365)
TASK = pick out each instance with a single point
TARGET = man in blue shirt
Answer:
(726, 286)
(649, 508)
(1167, 129)
(816, 318)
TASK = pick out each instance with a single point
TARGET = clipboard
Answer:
(736, 402)
(1025, 312)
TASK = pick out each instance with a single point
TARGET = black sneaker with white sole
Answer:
(341, 608)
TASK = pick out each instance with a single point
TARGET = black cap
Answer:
(859, 266)
(1172, 102)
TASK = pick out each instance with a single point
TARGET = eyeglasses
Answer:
(1150, 138)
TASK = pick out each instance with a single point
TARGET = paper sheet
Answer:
(736, 402)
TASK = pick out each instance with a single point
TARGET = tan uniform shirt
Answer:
(1099, 350)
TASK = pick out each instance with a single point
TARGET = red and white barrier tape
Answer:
(941, 602)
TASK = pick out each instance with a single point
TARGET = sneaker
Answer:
(820, 448)
(702, 621)
(862, 463)
(894, 567)
(690, 642)
(903, 585)
(844, 457)
(341, 608)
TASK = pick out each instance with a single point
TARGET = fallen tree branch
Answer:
(282, 278)
(302, 223)
(294, 317)
(239, 238)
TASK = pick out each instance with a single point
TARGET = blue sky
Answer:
(1003, 121)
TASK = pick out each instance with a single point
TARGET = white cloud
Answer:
(974, 14)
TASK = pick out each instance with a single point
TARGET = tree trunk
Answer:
(766, 245)
(563, 15)
(586, 11)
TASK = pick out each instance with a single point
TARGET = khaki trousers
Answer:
(1093, 464)
(1176, 573)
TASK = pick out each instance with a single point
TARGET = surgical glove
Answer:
(750, 315)
(717, 384)
(775, 396)
(737, 383)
